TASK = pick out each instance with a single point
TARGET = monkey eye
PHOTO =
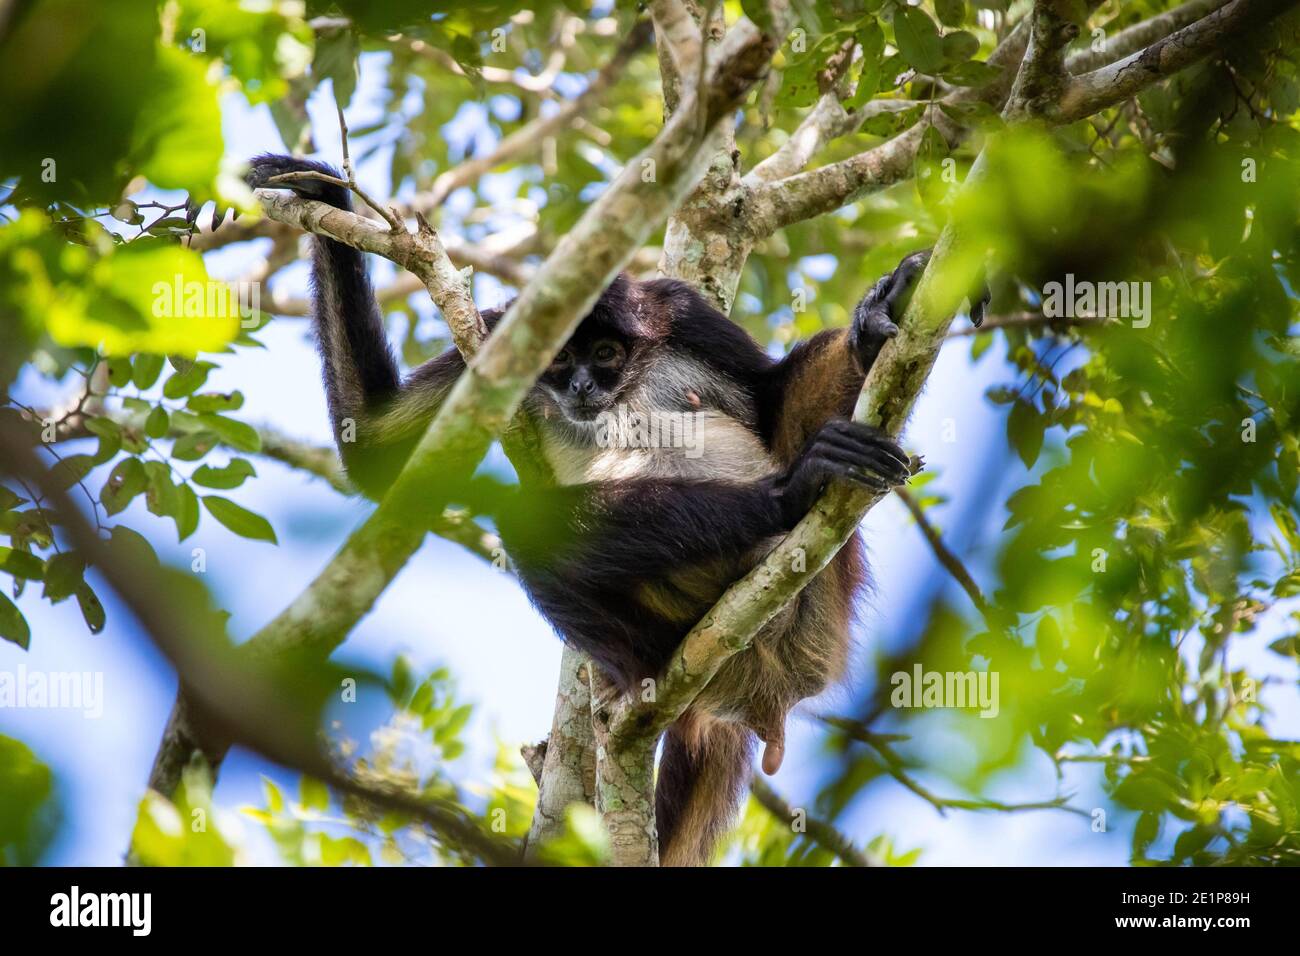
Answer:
(607, 354)
(564, 358)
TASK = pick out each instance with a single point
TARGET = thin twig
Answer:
(950, 561)
(818, 831)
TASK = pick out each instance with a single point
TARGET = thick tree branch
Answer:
(1104, 87)
(568, 771)
(1042, 74)
(827, 120)
(679, 46)
(1140, 35)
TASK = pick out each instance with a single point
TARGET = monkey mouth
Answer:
(584, 411)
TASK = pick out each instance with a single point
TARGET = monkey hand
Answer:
(262, 169)
(876, 318)
(842, 449)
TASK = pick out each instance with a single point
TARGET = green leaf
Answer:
(71, 470)
(1145, 833)
(110, 438)
(313, 794)
(891, 123)
(236, 434)
(918, 40)
(1048, 641)
(799, 80)
(145, 369)
(971, 73)
(92, 611)
(960, 46)
(336, 59)
(134, 300)
(223, 479)
(178, 138)
(156, 425)
(215, 402)
(184, 382)
(1285, 520)
(1025, 429)
(187, 512)
(240, 520)
(194, 446)
(28, 812)
(951, 12)
(872, 40)
(132, 548)
(119, 371)
(13, 626)
(21, 564)
(125, 481)
(160, 497)
(63, 574)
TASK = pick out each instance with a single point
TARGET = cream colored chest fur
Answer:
(712, 447)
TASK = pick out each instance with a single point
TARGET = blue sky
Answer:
(450, 608)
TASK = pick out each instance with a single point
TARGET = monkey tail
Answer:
(702, 776)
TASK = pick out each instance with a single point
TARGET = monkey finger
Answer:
(856, 435)
(872, 462)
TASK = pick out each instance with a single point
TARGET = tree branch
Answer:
(896, 767)
(819, 831)
(531, 134)
(237, 702)
(420, 253)
(679, 46)
(941, 551)
(568, 771)
(1042, 73)
(1104, 87)
(781, 202)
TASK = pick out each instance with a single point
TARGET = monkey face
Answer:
(586, 376)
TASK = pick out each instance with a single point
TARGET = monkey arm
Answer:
(619, 532)
(377, 417)
(821, 377)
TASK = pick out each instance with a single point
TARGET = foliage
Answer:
(1149, 474)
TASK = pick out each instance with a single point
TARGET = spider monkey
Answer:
(650, 537)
